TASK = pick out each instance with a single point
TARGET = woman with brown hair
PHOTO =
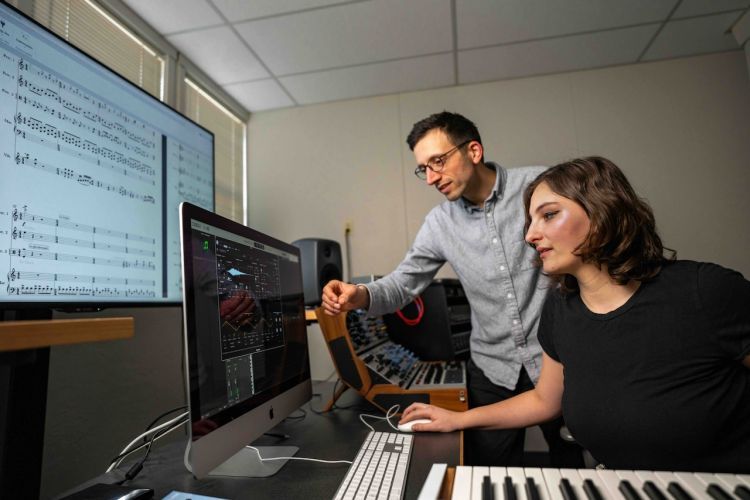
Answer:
(646, 357)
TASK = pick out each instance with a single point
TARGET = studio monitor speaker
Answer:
(321, 262)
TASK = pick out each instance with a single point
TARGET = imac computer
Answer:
(247, 362)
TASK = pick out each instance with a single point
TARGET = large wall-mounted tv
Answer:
(92, 172)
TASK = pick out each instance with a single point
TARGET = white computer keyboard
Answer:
(379, 469)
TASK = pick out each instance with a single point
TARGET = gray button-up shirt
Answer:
(486, 248)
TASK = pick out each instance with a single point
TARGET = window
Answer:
(229, 156)
(93, 30)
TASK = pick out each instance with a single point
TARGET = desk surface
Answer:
(336, 435)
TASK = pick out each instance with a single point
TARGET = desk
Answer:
(336, 435)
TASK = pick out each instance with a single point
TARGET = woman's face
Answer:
(558, 226)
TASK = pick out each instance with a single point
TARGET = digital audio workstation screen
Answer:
(249, 316)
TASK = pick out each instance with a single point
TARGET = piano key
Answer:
(477, 478)
(653, 491)
(509, 489)
(601, 488)
(692, 485)
(567, 490)
(591, 490)
(462, 483)
(488, 492)
(628, 490)
(541, 485)
(431, 487)
(552, 478)
(742, 491)
(497, 476)
(532, 492)
(678, 492)
(519, 480)
(630, 476)
(716, 492)
(611, 481)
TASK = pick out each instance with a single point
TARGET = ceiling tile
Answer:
(259, 95)
(350, 34)
(490, 22)
(699, 35)
(555, 55)
(242, 10)
(700, 7)
(372, 79)
(220, 54)
(170, 16)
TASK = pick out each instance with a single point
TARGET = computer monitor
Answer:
(247, 357)
(93, 170)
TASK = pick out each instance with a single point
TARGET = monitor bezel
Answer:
(93, 305)
(285, 397)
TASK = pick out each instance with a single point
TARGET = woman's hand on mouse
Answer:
(441, 420)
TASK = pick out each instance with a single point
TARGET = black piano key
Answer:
(567, 490)
(532, 493)
(678, 492)
(652, 492)
(592, 492)
(488, 492)
(628, 491)
(510, 490)
(742, 491)
(717, 492)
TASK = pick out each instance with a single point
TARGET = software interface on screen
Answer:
(93, 170)
(249, 332)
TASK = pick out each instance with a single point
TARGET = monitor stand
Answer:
(246, 463)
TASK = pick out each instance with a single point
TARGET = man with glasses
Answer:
(479, 230)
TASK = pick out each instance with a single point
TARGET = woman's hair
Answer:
(622, 234)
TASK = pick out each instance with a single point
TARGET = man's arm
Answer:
(746, 361)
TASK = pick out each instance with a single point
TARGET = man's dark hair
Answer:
(622, 233)
(458, 128)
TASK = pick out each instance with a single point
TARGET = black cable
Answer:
(136, 468)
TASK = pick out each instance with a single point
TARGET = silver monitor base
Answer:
(246, 463)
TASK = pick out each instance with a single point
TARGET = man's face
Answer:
(458, 172)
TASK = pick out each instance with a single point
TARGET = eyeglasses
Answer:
(437, 163)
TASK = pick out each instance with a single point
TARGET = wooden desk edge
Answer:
(18, 335)
(310, 315)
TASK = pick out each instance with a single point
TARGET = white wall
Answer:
(680, 130)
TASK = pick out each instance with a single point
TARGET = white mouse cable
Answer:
(391, 412)
(297, 458)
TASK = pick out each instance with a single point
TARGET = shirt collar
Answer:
(497, 189)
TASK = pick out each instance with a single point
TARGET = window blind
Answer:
(91, 29)
(229, 158)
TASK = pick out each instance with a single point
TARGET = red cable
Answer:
(420, 312)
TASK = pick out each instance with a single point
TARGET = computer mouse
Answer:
(406, 426)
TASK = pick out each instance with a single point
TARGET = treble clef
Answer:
(15, 210)
(15, 233)
(12, 274)
(18, 161)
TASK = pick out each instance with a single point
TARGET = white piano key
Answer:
(603, 490)
(552, 478)
(576, 482)
(665, 478)
(744, 478)
(611, 481)
(431, 487)
(497, 476)
(541, 484)
(519, 482)
(631, 477)
(462, 483)
(477, 476)
(692, 485)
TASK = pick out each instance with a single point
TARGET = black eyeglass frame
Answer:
(437, 163)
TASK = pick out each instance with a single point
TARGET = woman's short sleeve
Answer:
(545, 333)
(724, 295)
